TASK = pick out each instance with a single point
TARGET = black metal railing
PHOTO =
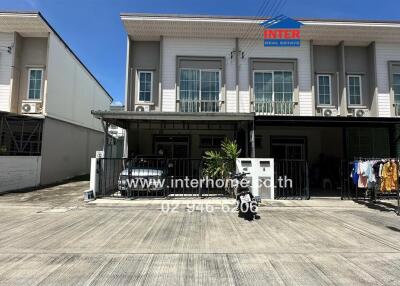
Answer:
(152, 177)
(291, 179)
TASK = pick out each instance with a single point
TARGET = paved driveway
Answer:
(50, 237)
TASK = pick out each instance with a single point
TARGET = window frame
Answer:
(273, 82)
(200, 87)
(348, 91)
(29, 84)
(392, 85)
(330, 90)
(139, 72)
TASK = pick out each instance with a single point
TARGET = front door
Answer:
(288, 148)
(172, 146)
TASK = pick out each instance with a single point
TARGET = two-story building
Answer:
(193, 80)
(47, 132)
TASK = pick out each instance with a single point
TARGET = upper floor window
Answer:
(354, 89)
(396, 88)
(324, 89)
(35, 83)
(273, 92)
(145, 86)
(199, 90)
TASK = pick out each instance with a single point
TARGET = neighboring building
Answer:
(192, 80)
(46, 88)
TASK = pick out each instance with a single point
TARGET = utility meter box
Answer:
(260, 177)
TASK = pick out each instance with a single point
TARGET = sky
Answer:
(93, 30)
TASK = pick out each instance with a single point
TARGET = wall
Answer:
(67, 149)
(19, 172)
(144, 56)
(385, 52)
(6, 40)
(32, 54)
(257, 49)
(326, 62)
(71, 91)
(173, 47)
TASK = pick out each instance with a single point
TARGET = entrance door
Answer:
(172, 146)
(288, 148)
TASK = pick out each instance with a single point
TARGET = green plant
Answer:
(218, 164)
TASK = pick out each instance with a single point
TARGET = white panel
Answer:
(173, 47)
(256, 49)
(385, 52)
(6, 40)
(72, 92)
(19, 172)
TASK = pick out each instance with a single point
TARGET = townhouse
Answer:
(193, 80)
(47, 133)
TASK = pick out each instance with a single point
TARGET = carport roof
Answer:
(134, 116)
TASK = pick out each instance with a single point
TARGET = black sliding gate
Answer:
(291, 179)
(152, 177)
(155, 177)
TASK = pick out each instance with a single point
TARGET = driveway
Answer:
(51, 237)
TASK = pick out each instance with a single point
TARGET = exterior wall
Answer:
(71, 91)
(32, 53)
(19, 172)
(144, 56)
(326, 62)
(257, 50)
(173, 47)
(385, 52)
(327, 141)
(6, 61)
(66, 150)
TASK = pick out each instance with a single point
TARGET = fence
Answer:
(152, 177)
(297, 172)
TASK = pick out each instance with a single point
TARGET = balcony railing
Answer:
(274, 107)
(199, 105)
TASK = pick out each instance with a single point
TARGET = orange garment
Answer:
(389, 177)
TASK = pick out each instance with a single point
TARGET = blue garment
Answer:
(354, 173)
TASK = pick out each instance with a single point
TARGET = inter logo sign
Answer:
(281, 31)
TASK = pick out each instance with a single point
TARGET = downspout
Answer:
(237, 72)
(160, 71)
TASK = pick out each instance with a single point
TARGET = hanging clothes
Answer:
(354, 173)
(390, 175)
(362, 176)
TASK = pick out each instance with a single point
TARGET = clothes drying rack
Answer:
(376, 195)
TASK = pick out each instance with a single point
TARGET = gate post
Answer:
(94, 176)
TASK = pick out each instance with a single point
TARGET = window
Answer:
(273, 91)
(35, 83)
(199, 90)
(396, 88)
(210, 141)
(354, 89)
(145, 86)
(324, 89)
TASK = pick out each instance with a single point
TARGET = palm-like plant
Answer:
(218, 164)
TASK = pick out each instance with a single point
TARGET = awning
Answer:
(123, 118)
(318, 121)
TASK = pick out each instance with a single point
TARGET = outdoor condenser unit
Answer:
(261, 176)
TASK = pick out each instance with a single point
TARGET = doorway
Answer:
(172, 146)
(288, 148)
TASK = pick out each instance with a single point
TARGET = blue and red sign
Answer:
(282, 31)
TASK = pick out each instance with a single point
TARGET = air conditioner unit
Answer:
(329, 112)
(358, 112)
(142, 108)
(29, 107)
